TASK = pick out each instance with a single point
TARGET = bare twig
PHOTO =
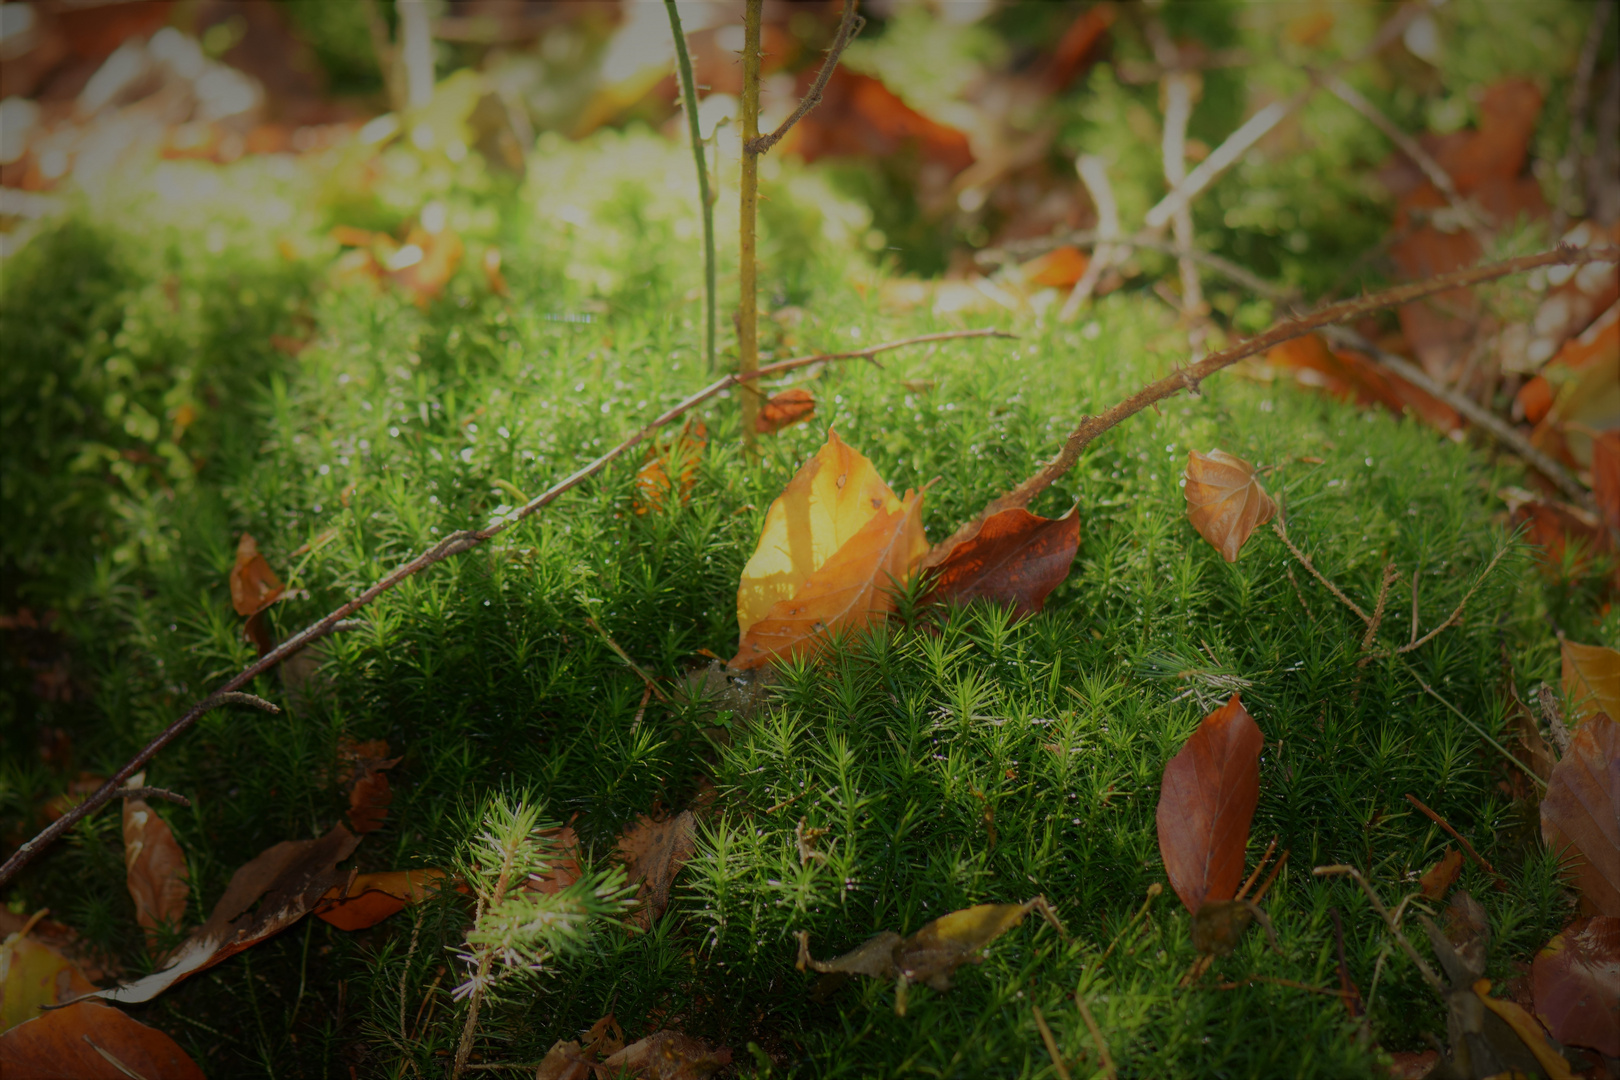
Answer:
(454, 544)
(1089, 238)
(153, 793)
(1178, 110)
(1456, 616)
(1352, 1000)
(1469, 215)
(1275, 981)
(748, 203)
(1051, 1044)
(590, 620)
(849, 26)
(1091, 427)
(1096, 1037)
(1572, 202)
(1378, 905)
(1377, 620)
(1305, 561)
(1481, 732)
(1094, 174)
(1501, 884)
(1415, 574)
(1265, 857)
(683, 68)
(1470, 409)
(1289, 570)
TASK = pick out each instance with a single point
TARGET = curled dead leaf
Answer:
(681, 458)
(654, 852)
(254, 586)
(1225, 502)
(159, 882)
(369, 797)
(1576, 978)
(1580, 814)
(91, 1041)
(1442, 875)
(34, 974)
(1206, 803)
(784, 409)
(1014, 558)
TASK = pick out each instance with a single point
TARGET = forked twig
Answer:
(849, 26)
(153, 793)
(1501, 884)
(1377, 620)
(1378, 905)
(1091, 427)
(454, 544)
(1305, 561)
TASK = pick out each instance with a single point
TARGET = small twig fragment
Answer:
(1096, 1037)
(590, 620)
(1501, 884)
(1051, 1043)
(1378, 905)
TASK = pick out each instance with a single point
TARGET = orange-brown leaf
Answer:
(1206, 803)
(33, 974)
(371, 898)
(562, 863)
(1225, 502)
(1576, 980)
(254, 586)
(849, 591)
(785, 409)
(91, 1041)
(1014, 558)
(1442, 875)
(1591, 679)
(682, 456)
(653, 853)
(1528, 1031)
(492, 272)
(1606, 476)
(1580, 814)
(155, 867)
(1058, 268)
(423, 267)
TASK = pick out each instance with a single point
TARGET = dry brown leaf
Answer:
(369, 798)
(1591, 679)
(682, 457)
(492, 272)
(285, 882)
(653, 853)
(92, 1041)
(1014, 558)
(1527, 1030)
(784, 409)
(1442, 875)
(1058, 268)
(849, 591)
(159, 881)
(1577, 984)
(1225, 502)
(1206, 802)
(1350, 376)
(562, 864)
(34, 974)
(1580, 815)
(1533, 749)
(667, 1055)
(254, 586)
(424, 265)
(370, 898)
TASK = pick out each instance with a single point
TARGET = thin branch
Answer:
(153, 793)
(1457, 836)
(1464, 717)
(1456, 616)
(1554, 717)
(1378, 905)
(849, 26)
(683, 68)
(1305, 561)
(1469, 215)
(748, 207)
(590, 620)
(1094, 174)
(1189, 377)
(1415, 574)
(1377, 619)
(1470, 409)
(1178, 111)
(1275, 981)
(454, 544)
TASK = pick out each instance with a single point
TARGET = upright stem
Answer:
(485, 960)
(683, 67)
(747, 301)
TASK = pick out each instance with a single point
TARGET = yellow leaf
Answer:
(1591, 679)
(828, 501)
(848, 591)
(32, 974)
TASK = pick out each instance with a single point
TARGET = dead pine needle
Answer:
(652, 687)
(1051, 1043)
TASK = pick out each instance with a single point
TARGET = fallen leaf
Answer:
(1591, 681)
(254, 586)
(1576, 980)
(370, 796)
(1412, 1064)
(682, 457)
(1206, 802)
(1078, 44)
(835, 543)
(1014, 558)
(370, 898)
(1442, 875)
(562, 864)
(159, 881)
(1225, 502)
(1350, 376)
(934, 952)
(423, 266)
(492, 272)
(654, 852)
(1585, 380)
(1533, 749)
(91, 1041)
(285, 881)
(571, 1061)
(1528, 1031)
(96, 966)
(861, 117)
(34, 974)
(1606, 476)
(1555, 527)
(785, 409)
(1058, 268)
(668, 1055)
(1218, 926)
(1580, 815)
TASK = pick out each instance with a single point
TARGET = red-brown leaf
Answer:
(1225, 502)
(668, 1055)
(371, 898)
(1206, 803)
(654, 852)
(370, 797)
(1015, 557)
(1576, 980)
(784, 409)
(1442, 875)
(1580, 815)
(158, 879)
(1606, 476)
(254, 586)
(91, 1041)
(652, 479)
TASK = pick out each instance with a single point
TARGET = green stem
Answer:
(748, 302)
(683, 68)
